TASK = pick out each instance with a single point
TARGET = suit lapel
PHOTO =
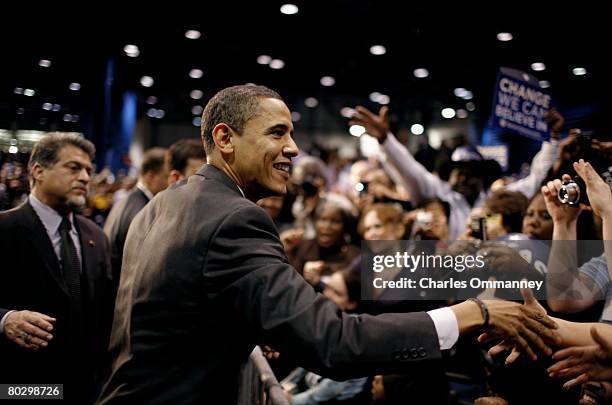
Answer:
(42, 245)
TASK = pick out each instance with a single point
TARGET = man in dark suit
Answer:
(153, 179)
(183, 159)
(205, 278)
(56, 298)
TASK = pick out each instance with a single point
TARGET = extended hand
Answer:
(28, 329)
(584, 363)
(375, 125)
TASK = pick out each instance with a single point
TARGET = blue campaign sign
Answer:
(519, 105)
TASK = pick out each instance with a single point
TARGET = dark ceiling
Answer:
(458, 46)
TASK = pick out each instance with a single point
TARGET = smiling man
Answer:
(205, 278)
(56, 298)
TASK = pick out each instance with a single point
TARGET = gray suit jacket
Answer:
(205, 278)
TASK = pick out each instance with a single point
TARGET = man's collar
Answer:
(141, 186)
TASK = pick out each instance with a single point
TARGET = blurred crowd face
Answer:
(375, 229)
(263, 152)
(439, 224)
(335, 290)
(537, 222)
(329, 227)
(64, 184)
(466, 181)
(157, 181)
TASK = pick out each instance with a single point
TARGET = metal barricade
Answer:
(257, 383)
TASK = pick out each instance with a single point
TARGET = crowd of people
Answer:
(127, 259)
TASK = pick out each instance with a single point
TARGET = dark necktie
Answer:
(71, 265)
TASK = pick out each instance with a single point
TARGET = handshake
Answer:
(524, 328)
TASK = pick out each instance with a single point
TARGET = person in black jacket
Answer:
(205, 278)
(153, 179)
(56, 299)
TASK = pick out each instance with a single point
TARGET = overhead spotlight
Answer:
(29, 92)
(538, 66)
(196, 121)
(152, 112)
(579, 71)
(18, 90)
(504, 36)
(196, 94)
(44, 63)
(384, 99)
(461, 113)
(378, 50)
(311, 102)
(470, 106)
(75, 118)
(421, 73)
(13, 149)
(289, 9)
(295, 116)
(131, 50)
(357, 130)
(67, 117)
(160, 114)
(56, 107)
(417, 129)
(460, 92)
(544, 84)
(448, 113)
(196, 73)
(146, 81)
(47, 106)
(192, 34)
(468, 95)
(264, 59)
(196, 110)
(75, 86)
(20, 111)
(151, 100)
(347, 112)
(277, 64)
(327, 81)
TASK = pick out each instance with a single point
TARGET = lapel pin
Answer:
(92, 243)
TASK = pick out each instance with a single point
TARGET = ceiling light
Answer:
(146, 81)
(75, 86)
(504, 36)
(357, 130)
(289, 9)
(421, 73)
(192, 34)
(131, 50)
(378, 50)
(311, 102)
(277, 64)
(448, 113)
(417, 129)
(579, 71)
(328, 81)
(196, 94)
(195, 73)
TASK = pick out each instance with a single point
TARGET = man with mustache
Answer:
(56, 296)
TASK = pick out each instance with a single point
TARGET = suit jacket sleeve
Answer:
(246, 268)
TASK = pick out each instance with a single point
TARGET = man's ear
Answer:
(174, 176)
(351, 305)
(222, 136)
(37, 172)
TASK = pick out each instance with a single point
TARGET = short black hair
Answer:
(46, 151)
(153, 160)
(233, 106)
(181, 151)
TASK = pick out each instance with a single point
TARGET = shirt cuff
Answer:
(3, 320)
(447, 327)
